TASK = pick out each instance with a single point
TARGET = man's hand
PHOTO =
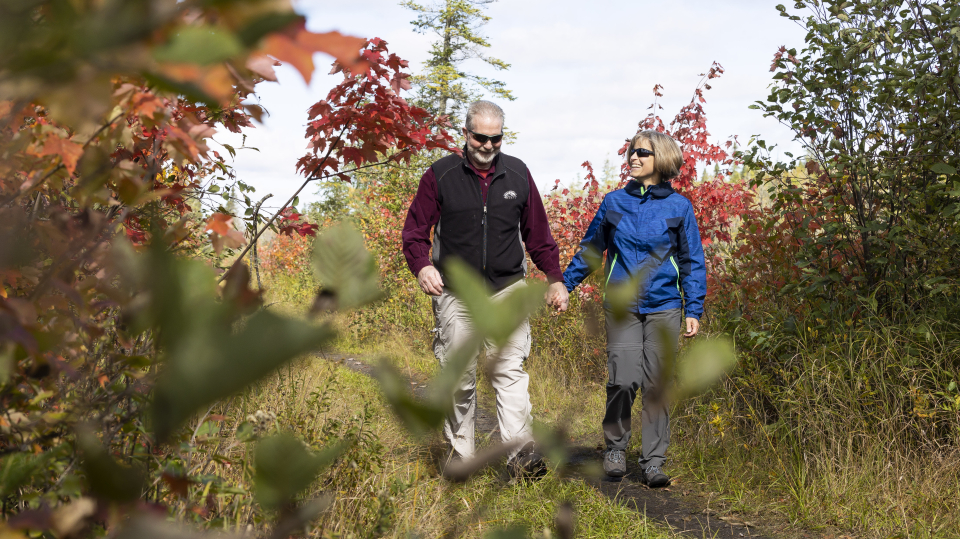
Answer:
(558, 297)
(430, 281)
(693, 326)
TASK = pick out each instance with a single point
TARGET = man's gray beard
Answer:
(481, 158)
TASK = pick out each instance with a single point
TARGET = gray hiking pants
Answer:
(509, 379)
(638, 347)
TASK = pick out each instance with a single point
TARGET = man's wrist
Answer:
(417, 266)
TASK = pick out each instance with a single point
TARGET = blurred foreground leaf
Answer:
(17, 470)
(144, 526)
(703, 365)
(493, 319)
(621, 295)
(514, 531)
(346, 270)
(108, 479)
(418, 417)
(285, 467)
(206, 358)
(552, 443)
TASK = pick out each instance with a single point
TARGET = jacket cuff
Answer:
(555, 277)
(418, 265)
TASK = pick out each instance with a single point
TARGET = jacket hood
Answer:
(660, 190)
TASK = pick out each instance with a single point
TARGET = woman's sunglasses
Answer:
(482, 139)
(641, 152)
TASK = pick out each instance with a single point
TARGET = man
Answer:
(485, 208)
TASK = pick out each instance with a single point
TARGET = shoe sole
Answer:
(658, 484)
(615, 473)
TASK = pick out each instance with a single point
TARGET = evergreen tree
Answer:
(445, 87)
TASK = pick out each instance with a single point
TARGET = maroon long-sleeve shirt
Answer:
(424, 213)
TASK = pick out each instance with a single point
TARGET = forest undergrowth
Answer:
(854, 432)
(389, 483)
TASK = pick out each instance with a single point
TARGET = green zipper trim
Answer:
(674, 262)
(612, 265)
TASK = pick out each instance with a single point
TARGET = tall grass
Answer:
(833, 424)
(855, 426)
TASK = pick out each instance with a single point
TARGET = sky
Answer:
(582, 73)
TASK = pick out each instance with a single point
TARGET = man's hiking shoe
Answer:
(615, 463)
(527, 464)
(653, 477)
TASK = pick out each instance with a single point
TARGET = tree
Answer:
(717, 203)
(445, 88)
(873, 97)
(113, 331)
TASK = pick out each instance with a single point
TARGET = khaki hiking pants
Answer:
(507, 376)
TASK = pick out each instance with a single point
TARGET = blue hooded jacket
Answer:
(651, 233)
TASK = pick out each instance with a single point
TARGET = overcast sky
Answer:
(582, 73)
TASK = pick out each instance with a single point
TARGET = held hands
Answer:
(430, 281)
(558, 297)
(432, 284)
(693, 326)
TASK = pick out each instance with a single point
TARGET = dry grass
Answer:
(403, 493)
(854, 431)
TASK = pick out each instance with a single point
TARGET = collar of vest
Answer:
(660, 190)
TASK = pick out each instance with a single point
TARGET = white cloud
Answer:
(582, 73)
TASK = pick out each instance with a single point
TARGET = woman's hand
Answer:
(693, 326)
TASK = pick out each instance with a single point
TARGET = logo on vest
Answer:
(510, 195)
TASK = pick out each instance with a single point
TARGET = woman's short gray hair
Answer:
(485, 109)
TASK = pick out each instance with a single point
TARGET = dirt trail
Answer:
(684, 511)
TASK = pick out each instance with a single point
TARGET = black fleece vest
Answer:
(487, 237)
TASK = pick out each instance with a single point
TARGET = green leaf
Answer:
(255, 30)
(204, 357)
(703, 365)
(943, 168)
(285, 467)
(187, 89)
(346, 270)
(493, 319)
(245, 432)
(201, 45)
(17, 470)
(108, 479)
(209, 363)
(515, 531)
(418, 417)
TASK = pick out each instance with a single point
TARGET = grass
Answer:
(851, 430)
(401, 493)
(854, 430)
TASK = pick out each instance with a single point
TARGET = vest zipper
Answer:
(485, 237)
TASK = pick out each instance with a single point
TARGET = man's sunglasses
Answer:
(641, 152)
(482, 139)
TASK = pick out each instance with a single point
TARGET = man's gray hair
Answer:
(485, 109)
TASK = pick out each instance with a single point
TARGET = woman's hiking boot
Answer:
(615, 463)
(654, 477)
(528, 463)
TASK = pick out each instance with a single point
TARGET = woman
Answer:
(651, 239)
